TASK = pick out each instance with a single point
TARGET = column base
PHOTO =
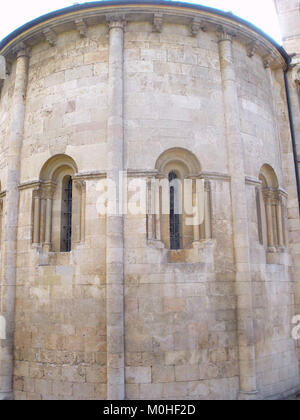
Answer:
(249, 396)
(6, 396)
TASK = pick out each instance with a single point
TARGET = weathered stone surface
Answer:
(121, 315)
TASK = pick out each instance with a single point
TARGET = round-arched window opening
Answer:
(174, 215)
(66, 218)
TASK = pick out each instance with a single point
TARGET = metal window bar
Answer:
(174, 218)
(68, 214)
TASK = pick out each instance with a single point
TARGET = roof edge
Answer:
(176, 4)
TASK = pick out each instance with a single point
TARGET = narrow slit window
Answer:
(174, 216)
(66, 216)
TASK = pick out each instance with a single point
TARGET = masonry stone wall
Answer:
(212, 321)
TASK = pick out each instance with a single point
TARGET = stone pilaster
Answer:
(207, 210)
(36, 216)
(293, 77)
(48, 193)
(11, 223)
(247, 362)
(115, 223)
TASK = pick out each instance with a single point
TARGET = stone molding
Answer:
(253, 181)
(90, 175)
(158, 16)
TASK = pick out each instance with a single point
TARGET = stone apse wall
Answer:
(121, 315)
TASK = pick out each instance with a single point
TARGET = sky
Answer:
(15, 13)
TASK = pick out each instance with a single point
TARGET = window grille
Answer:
(174, 217)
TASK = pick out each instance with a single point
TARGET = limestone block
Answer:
(187, 373)
(138, 375)
(163, 374)
(83, 391)
(2, 68)
(62, 389)
(151, 391)
(180, 313)
(175, 390)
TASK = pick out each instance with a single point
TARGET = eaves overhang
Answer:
(63, 19)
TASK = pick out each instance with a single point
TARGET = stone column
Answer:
(269, 217)
(207, 211)
(82, 213)
(150, 210)
(157, 212)
(279, 220)
(196, 226)
(49, 191)
(292, 208)
(11, 223)
(36, 217)
(115, 236)
(245, 330)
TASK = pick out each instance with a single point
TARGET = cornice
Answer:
(90, 175)
(80, 17)
(253, 181)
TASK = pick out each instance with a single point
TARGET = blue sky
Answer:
(260, 12)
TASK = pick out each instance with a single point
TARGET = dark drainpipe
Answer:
(292, 132)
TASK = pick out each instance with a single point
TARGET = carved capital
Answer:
(21, 50)
(207, 186)
(225, 34)
(116, 21)
(50, 36)
(48, 190)
(79, 184)
(36, 193)
(158, 21)
(269, 194)
(81, 27)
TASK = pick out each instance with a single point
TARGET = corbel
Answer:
(81, 27)
(269, 59)
(197, 25)
(252, 48)
(157, 22)
(50, 36)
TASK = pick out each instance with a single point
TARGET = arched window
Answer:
(271, 211)
(66, 215)
(174, 213)
(58, 206)
(179, 202)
